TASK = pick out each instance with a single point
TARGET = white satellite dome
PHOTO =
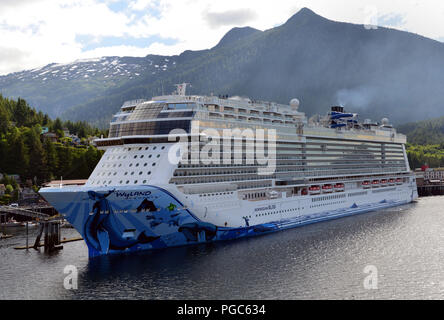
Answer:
(385, 121)
(294, 104)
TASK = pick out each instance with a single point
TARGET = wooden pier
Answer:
(428, 190)
(49, 226)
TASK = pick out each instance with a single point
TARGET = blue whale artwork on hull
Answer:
(149, 217)
(103, 231)
(192, 231)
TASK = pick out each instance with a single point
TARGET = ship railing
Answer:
(291, 175)
(249, 104)
(131, 103)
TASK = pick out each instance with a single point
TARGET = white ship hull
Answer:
(128, 219)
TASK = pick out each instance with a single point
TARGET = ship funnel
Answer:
(337, 109)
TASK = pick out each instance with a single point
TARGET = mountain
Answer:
(424, 132)
(54, 88)
(377, 73)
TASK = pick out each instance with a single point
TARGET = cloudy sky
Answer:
(34, 33)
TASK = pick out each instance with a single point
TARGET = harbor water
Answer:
(403, 247)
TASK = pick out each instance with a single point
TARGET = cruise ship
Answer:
(182, 170)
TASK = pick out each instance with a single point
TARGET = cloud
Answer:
(14, 56)
(229, 18)
(45, 31)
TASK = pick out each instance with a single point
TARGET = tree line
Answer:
(24, 151)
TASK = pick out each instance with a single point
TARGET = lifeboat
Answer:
(392, 182)
(314, 190)
(304, 192)
(339, 187)
(375, 183)
(384, 182)
(399, 181)
(366, 184)
(328, 188)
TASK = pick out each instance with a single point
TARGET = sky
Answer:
(34, 33)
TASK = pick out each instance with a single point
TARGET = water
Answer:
(322, 261)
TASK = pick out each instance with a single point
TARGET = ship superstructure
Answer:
(171, 175)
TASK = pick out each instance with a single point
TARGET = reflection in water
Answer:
(321, 261)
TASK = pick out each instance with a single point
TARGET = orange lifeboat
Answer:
(375, 183)
(366, 184)
(327, 188)
(314, 190)
(339, 187)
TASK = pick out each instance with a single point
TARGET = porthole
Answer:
(127, 181)
(140, 172)
(154, 164)
(150, 156)
(149, 172)
(145, 164)
(154, 148)
(146, 148)
(137, 164)
(130, 165)
(135, 181)
(126, 173)
(144, 181)
(158, 156)
(163, 147)
(132, 173)
(135, 157)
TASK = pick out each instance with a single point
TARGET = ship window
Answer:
(132, 173)
(145, 164)
(144, 181)
(141, 156)
(127, 181)
(154, 164)
(158, 155)
(149, 172)
(154, 148)
(135, 157)
(125, 173)
(140, 172)
(135, 181)
(130, 164)
(137, 164)
(163, 147)
(146, 148)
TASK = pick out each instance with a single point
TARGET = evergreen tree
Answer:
(52, 160)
